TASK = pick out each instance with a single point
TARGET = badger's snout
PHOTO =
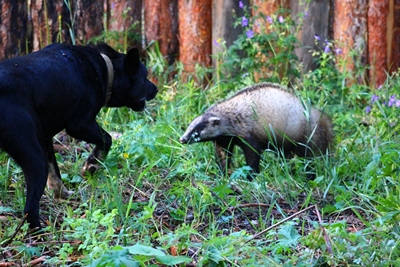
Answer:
(183, 140)
(190, 137)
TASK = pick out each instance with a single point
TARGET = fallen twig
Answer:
(36, 261)
(279, 223)
(15, 232)
(6, 264)
(326, 237)
(51, 242)
(249, 205)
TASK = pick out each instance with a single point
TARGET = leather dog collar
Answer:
(110, 71)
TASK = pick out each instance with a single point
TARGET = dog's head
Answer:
(130, 88)
(142, 89)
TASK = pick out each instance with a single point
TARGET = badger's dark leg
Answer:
(252, 152)
(54, 177)
(223, 150)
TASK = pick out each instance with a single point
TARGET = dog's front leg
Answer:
(94, 134)
(92, 163)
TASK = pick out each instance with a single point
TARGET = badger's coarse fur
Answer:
(259, 117)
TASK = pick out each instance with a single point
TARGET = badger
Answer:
(259, 117)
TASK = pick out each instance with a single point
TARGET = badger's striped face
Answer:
(201, 129)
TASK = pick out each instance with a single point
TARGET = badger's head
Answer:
(203, 128)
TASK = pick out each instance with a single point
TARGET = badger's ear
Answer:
(214, 121)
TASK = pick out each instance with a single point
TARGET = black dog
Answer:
(64, 87)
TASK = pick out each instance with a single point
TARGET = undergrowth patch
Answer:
(158, 202)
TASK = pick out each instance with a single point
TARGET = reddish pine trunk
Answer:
(124, 17)
(50, 20)
(349, 35)
(40, 24)
(377, 42)
(13, 33)
(394, 35)
(89, 20)
(266, 8)
(194, 33)
(161, 25)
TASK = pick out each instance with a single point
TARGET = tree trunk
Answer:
(125, 19)
(394, 35)
(350, 28)
(224, 15)
(314, 18)
(194, 34)
(268, 8)
(13, 30)
(161, 25)
(41, 23)
(50, 20)
(89, 20)
(377, 42)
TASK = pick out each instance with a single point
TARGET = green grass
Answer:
(157, 201)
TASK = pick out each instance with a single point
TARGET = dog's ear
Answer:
(132, 60)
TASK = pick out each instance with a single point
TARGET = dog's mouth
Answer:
(138, 106)
(139, 101)
(152, 91)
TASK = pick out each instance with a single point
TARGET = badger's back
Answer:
(264, 106)
(267, 107)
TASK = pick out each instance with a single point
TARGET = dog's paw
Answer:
(66, 194)
(55, 185)
(89, 168)
(63, 193)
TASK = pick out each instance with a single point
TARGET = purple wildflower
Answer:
(306, 14)
(250, 34)
(317, 37)
(281, 19)
(327, 49)
(374, 98)
(392, 101)
(269, 19)
(368, 109)
(397, 103)
(380, 87)
(241, 4)
(216, 43)
(245, 21)
(338, 51)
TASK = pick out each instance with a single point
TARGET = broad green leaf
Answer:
(173, 260)
(145, 250)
